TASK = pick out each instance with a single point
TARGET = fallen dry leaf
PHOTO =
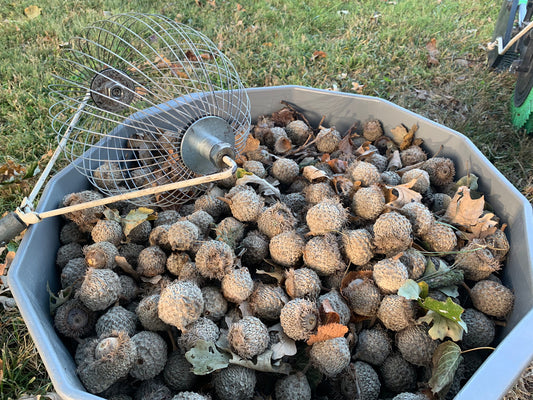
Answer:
(326, 332)
(399, 195)
(395, 162)
(252, 144)
(431, 47)
(343, 186)
(327, 314)
(353, 275)
(318, 54)
(9, 259)
(338, 166)
(357, 88)
(346, 144)
(364, 150)
(485, 226)
(283, 116)
(313, 174)
(463, 210)
(282, 145)
(32, 12)
(398, 134)
(408, 138)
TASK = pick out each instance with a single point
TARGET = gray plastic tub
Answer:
(34, 264)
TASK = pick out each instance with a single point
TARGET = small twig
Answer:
(478, 348)
(294, 109)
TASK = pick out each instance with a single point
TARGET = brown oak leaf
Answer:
(326, 332)
(399, 195)
(313, 174)
(463, 210)
(327, 314)
(431, 47)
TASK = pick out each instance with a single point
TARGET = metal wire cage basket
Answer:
(127, 91)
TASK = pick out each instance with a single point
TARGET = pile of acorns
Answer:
(317, 229)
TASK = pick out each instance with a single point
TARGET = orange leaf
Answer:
(318, 54)
(431, 47)
(338, 166)
(252, 144)
(326, 332)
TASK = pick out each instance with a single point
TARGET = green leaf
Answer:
(134, 218)
(451, 291)
(263, 363)
(62, 297)
(410, 290)
(242, 172)
(430, 269)
(447, 309)
(446, 360)
(442, 326)
(12, 246)
(205, 358)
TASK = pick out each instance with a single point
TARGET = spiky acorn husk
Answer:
(180, 304)
(392, 233)
(293, 387)
(255, 167)
(100, 289)
(322, 254)
(303, 283)
(215, 305)
(420, 217)
(245, 204)
(176, 262)
(167, 217)
(422, 180)
(152, 261)
(285, 170)
(441, 170)
(440, 238)
(415, 345)
(364, 172)
(276, 219)
(441, 201)
(107, 231)
(397, 374)
(214, 259)
(373, 346)
(326, 216)
(372, 130)
(412, 155)
(480, 331)
(182, 235)
(237, 285)
(391, 178)
(317, 192)
(415, 262)
(327, 140)
(202, 329)
(298, 131)
(67, 252)
(476, 260)
(255, 245)
(357, 246)
(287, 248)
(151, 355)
(248, 337)
(234, 383)
(74, 320)
(141, 233)
(390, 274)
(299, 319)
(492, 298)
(159, 237)
(396, 312)
(116, 319)
(360, 381)
(73, 273)
(178, 372)
(330, 356)
(363, 297)
(101, 255)
(368, 202)
(114, 357)
(86, 218)
(71, 233)
(211, 203)
(148, 313)
(267, 301)
(498, 244)
(203, 220)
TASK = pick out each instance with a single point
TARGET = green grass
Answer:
(378, 44)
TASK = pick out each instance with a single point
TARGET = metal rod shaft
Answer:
(32, 218)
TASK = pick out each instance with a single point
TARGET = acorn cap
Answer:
(151, 355)
(330, 356)
(248, 337)
(74, 320)
(299, 319)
